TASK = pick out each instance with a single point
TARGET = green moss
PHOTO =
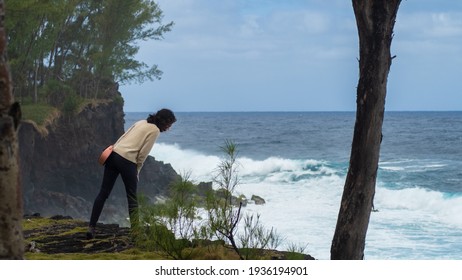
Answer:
(295, 256)
(125, 255)
(38, 113)
(37, 223)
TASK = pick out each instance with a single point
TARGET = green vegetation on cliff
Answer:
(39, 113)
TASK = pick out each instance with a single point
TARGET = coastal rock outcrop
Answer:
(257, 200)
(59, 169)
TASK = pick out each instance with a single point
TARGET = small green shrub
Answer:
(255, 237)
(172, 225)
(223, 216)
(296, 251)
(71, 104)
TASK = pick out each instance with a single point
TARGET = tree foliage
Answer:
(87, 44)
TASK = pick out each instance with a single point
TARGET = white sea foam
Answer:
(412, 165)
(200, 167)
(414, 222)
(420, 204)
(303, 198)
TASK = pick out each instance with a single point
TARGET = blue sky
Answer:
(295, 55)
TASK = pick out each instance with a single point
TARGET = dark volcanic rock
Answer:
(70, 237)
(257, 200)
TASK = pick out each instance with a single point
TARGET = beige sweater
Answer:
(136, 143)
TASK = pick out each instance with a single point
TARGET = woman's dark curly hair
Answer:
(163, 119)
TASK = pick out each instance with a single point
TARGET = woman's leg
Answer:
(130, 178)
(110, 176)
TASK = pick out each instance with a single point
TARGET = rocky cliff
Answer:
(59, 169)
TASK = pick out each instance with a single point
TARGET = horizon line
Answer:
(307, 111)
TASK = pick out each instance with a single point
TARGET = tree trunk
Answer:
(11, 238)
(375, 20)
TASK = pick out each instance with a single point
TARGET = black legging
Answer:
(114, 166)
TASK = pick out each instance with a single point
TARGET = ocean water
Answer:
(297, 161)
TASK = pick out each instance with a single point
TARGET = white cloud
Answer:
(445, 25)
(430, 25)
(243, 29)
(427, 34)
(303, 23)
